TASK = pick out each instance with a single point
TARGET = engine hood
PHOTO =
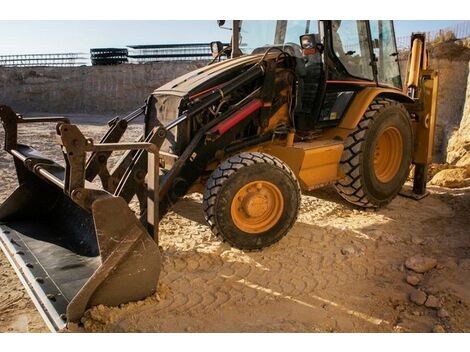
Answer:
(206, 77)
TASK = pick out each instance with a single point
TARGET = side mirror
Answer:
(220, 23)
(216, 48)
(309, 45)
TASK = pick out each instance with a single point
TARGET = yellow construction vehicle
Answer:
(296, 105)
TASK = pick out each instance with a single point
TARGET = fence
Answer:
(457, 31)
(34, 60)
(108, 56)
(170, 52)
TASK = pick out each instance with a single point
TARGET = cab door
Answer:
(351, 52)
(385, 53)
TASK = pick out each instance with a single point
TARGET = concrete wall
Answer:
(95, 89)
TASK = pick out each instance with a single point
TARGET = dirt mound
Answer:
(458, 148)
(451, 50)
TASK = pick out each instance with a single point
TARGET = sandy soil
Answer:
(339, 269)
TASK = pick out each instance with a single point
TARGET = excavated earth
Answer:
(339, 269)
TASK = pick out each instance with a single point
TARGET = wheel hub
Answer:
(257, 207)
(388, 154)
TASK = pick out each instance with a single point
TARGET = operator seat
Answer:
(309, 76)
(309, 71)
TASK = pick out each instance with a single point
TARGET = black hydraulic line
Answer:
(133, 115)
(176, 122)
(248, 143)
(251, 74)
(179, 164)
(128, 118)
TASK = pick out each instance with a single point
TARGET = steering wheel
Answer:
(291, 48)
(295, 49)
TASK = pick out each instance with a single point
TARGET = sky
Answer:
(41, 37)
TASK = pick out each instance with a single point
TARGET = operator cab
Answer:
(352, 55)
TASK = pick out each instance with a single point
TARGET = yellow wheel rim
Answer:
(257, 207)
(388, 154)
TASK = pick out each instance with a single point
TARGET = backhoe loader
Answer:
(296, 105)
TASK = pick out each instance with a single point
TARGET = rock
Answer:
(418, 297)
(442, 313)
(438, 329)
(349, 250)
(397, 298)
(420, 264)
(400, 308)
(430, 290)
(432, 302)
(450, 263)
(417, 240)
(452, 178)
(413, 280)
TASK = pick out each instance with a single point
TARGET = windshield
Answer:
(257, 34)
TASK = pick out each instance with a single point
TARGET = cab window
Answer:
(296, 28)
(351, 46)
(256, 34)
(386, 54)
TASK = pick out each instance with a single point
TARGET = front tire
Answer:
(251, 200)
(377, 155)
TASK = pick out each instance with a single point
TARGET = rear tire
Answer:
(251, 200)
(377, 155)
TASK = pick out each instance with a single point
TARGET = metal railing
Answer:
(458, 31)
(169, 52)
(52, 60)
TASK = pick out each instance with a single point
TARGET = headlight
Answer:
(216, 48)
(307, 41)
(309, 44)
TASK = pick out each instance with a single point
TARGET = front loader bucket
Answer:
(65, 263)
(70, 257)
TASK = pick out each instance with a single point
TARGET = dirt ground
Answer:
(340, 269)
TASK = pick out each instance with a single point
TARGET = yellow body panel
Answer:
(357, 109)
(279, 117)
(424, 127)
(315, 163)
